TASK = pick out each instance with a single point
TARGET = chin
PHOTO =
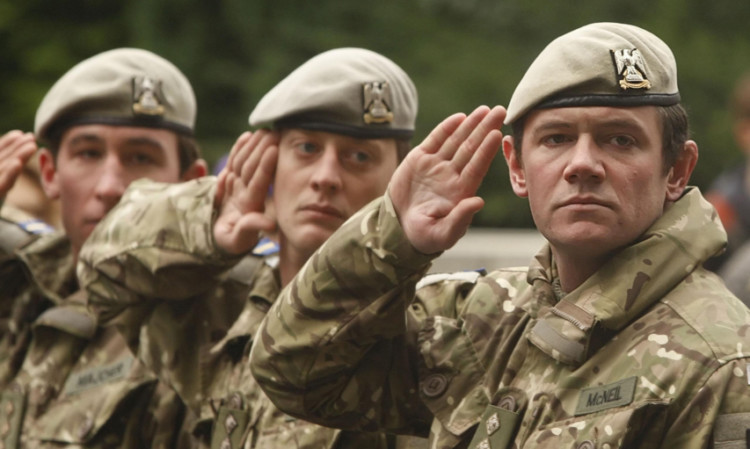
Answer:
(312, 239)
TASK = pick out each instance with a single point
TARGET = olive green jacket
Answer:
(65, 380)
(651, 351)
(153, 267)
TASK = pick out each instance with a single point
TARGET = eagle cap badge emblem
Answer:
(147, 96)
(377, 102)
(630, 68)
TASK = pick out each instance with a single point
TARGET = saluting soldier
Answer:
(116, 117)
(328, 139)
(613, 337)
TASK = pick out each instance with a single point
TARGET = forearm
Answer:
(157, 243)
(333, 349)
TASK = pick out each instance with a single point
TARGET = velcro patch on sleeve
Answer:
(731, 431)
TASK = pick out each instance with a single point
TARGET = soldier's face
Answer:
(324, 178)
(96, 163)
(594, 176)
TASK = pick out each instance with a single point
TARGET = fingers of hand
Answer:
(441, 133)
(478, 165)
(476, 139)
(258, 146)
(459, 219)
(18, 145)
(264, 174)
(463, 133)
(8, 174)
(239, 144)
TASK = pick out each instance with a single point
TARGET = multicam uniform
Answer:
(64, 381)
(650, 351)
(174, 275)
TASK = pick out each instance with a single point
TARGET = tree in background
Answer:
(460, 53)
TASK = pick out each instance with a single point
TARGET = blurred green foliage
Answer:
(460, 53)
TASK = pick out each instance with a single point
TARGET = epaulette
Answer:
(13, 236)
(469, 277)
(71, 320)
(266, 247)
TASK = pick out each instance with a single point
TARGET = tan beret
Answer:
(125, 86)
(350, 91)
(601, 64)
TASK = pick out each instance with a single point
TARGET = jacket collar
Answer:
(575, 327)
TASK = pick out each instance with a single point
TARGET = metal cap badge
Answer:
(601, 64)
(148, 98)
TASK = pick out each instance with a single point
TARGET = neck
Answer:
(291, 261)
(573, 270)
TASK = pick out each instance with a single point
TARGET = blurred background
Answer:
(460, 53)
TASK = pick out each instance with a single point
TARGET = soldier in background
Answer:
(16, 150)
(331, 134)
(64, 380)
(614, 337)
(730, 192)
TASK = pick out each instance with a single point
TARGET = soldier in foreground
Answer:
(332, 133)
(64, 380)
(614, 337)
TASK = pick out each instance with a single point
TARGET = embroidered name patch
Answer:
(95, 377)
(617, 394)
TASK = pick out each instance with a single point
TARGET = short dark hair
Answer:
(188, 150)
(403, 146)
(675, 132)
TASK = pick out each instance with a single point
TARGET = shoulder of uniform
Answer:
(13, 236)
(706, 294)
(464, 277)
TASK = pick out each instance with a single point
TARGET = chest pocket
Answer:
(276, 430)
(450, 379)
(105, 392)
(637, 426)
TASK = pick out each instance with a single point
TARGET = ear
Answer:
(515, 168)
(197, 169)
(48, 174)
(679, 174)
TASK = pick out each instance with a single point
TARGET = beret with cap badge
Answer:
(600, 64)
(350, 91)
(124, 86)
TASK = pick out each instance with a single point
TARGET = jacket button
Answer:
(434, 385)
(588, 444)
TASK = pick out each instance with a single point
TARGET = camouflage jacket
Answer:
(161, 278)
(65, 380)
(650, 352)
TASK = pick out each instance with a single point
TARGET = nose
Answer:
(326, 177)
(111, 183)
(585, 162)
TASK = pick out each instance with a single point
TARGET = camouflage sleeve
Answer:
(156, 243)
(719, 413)
(334, 348)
